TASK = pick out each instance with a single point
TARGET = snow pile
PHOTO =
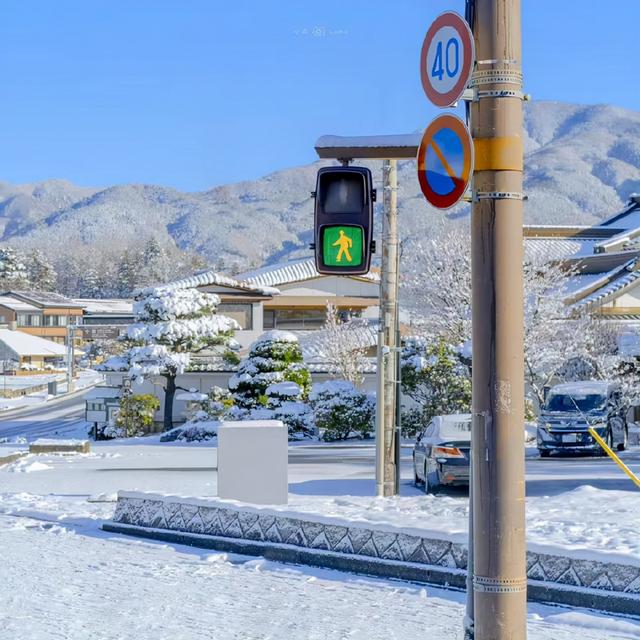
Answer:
(27, 464)
(192, 431)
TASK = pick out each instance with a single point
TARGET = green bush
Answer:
(342, 411)
(136, 414)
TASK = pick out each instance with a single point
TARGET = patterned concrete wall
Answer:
(158, 512)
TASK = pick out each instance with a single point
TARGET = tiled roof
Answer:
(543, 249)
(207, 278)
(288, 272)
(601, 295)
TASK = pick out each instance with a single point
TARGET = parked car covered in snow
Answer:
(571, 408)
(442, 452)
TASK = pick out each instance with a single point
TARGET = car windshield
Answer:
(575, 402)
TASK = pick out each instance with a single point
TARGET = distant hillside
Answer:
(582, 162)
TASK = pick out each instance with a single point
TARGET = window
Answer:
(95, 406)
(241, 313)
(294, 319)
(269, 319)
(29, 320)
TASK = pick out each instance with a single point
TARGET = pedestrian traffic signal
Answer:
(343, 220)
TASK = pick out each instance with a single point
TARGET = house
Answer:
(242, 301)
(605, 259)
(305, 293)
(39, 313)
(31, 353)
(104, 319)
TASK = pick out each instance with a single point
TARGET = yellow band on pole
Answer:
(634, 478)
(498, 154)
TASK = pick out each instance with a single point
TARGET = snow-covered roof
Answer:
(628, 218)
(293, 271)
(24, 344)
(601, 295)
(17, 305)
(538, 249)
(209, 278)
(397, 140)
(578, 286)
(103, 392)
(108, 307)
(43, 298)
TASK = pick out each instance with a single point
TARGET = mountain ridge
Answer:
(581, 164)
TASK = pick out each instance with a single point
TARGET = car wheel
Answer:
(544, 453)
(429, 487)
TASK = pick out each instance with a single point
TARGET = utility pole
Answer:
(499, 558)
(386, 484)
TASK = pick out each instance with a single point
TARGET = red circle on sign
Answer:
(428, 146)
(459, 24)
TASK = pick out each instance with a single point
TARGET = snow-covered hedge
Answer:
(342, 411)
(192, 431)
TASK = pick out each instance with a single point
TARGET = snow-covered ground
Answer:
(70, 580)
(65, 578)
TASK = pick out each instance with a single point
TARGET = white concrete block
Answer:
(253, 461)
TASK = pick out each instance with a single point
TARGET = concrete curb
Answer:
(361, 548)
(454, 579)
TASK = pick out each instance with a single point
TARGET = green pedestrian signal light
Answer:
(342, 246)
(343, 217)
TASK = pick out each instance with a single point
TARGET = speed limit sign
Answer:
(446, 60)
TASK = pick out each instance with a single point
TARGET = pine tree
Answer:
(129, 273)
(434, 375)
(13, 273)
(40, 272)
(169, 326)
(275, 357)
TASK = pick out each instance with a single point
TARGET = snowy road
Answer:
(57, 417)
(72, 581)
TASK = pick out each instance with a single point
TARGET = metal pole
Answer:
(380, 415)
(499, 561)
(388, 303)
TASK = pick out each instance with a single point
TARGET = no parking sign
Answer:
(445, 161)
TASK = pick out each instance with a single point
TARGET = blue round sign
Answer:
(445, 160)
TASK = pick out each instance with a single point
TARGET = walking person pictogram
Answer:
(345, 243)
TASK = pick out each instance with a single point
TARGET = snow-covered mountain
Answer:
(582, 162)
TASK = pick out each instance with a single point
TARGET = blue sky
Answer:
(195, 93)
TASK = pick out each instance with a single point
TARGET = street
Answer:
(549, 476)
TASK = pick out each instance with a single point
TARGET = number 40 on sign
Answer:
(446, 59)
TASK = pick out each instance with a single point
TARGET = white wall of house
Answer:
(332, 285)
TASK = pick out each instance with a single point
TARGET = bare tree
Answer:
(345, 345)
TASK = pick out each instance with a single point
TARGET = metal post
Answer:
(380, 415)
(499, 580)
(386, 482)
